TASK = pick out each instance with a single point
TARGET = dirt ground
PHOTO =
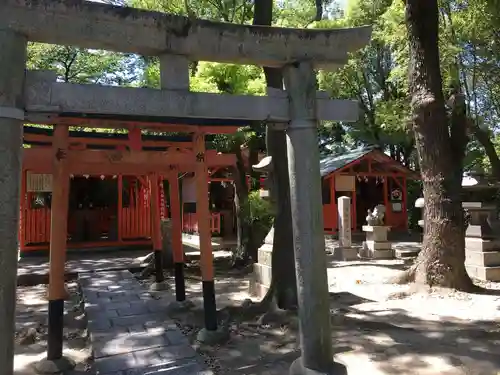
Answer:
(377, 327)
(31, 329)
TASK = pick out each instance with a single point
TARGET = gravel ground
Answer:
(31, 329)
(378, 327)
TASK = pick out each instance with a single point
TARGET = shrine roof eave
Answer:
(123, 29)
(153, 123)
(34, 130)
(340, 163)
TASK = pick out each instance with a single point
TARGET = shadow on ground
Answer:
(387, 341)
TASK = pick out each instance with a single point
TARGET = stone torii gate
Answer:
(175, 40)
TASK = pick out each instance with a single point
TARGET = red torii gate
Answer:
(132, 223)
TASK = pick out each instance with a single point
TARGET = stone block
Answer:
(376, 232)
(380, 254)
(481, 244)
(257, 289)
(344, 222)
(377, 245)
(406, 253)
(264, 255)
(482, 258)
(262, 274)
(479, 231)
(484, 273)
(345, 253)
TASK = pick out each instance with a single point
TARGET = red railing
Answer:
(190, 223)
(136, 222)
(36, 225)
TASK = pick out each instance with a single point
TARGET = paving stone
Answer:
(164, 324)
(129, 331)
(125, 321)
(176, 352)
(138, 328)
(94, 314)
(127, 343)
(106, 335)
(99, 325)
(176, 337)
(124, 298)
(184, 368)
(114, 363)
(135, 309)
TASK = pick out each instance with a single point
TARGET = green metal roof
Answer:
(334, 162)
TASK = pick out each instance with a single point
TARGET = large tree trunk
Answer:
(243, 251)
(283, 290)
(441, 262)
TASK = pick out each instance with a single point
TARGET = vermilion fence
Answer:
(190, 223)
(132, 222)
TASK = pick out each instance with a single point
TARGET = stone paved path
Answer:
(129, 332)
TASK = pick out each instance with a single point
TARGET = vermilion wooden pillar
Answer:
(203, 216)
(386, 201)
(58, 241)
(156, 228)
(120, 208)
(175, 211)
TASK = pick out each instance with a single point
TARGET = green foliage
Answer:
(78, 65)
(260, 216)
(259, 209)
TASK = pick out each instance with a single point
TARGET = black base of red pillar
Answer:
(158, 258)
(180, 284)
(55, 330)
(209, 306)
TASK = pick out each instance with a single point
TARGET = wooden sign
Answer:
(38, 182)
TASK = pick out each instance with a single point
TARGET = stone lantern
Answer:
(376, 245)
(260, 280)
(419, 203)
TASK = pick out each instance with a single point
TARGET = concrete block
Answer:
(257, 289)
(483, 259)
(481, 244)
(264, 255)
(377, 245)
(380, 254)
(262, 273)
(484, 273)
(345, 253)
(376, 232)
(406, 253)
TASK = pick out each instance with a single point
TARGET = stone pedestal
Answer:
(376, 245)
(345, 251)
(482, 242)
(260, 280)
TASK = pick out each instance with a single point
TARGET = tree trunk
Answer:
(441, 261)
(283, 289)
(243, 251)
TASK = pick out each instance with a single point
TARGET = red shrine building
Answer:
(114, 210)
(369, 177)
